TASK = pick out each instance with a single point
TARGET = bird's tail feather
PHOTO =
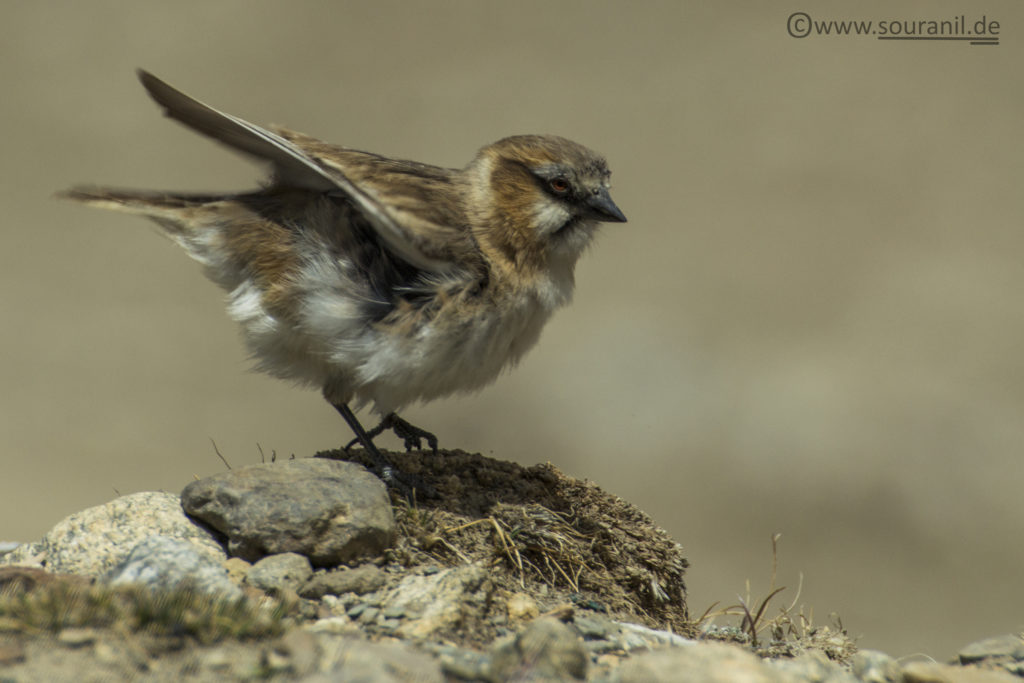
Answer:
(176, 213)
(142, 202)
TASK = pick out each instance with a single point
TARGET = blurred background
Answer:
(812, 323)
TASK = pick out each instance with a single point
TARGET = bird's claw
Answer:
(412, 436)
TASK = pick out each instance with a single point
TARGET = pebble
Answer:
(873, 666)
(369, 615)
(594, 627)
(286, 571)
(522, 606)
(463, 664)
(361, 580)
(545, 650)
(393, 612)
(77, 637)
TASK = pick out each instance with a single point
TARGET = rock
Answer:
(361, 580)
(164, 563)
(336, 625)
(300, 651)
(1008, 647)
(634, 636)
(705, 663)
(435, 602)
(25, 555)
(522, 606)
(11, 652)
(811, 666)
(78, 637)
(595, 626)
(94, 541)
(463, 664)
(930, 672)
(369, 615)
(287, 571)
(330, 511)
(238, 569)
(354, 659)
(873, 666)
(546, 650)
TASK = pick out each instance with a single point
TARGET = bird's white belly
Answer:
(443, 356)
(461, 348)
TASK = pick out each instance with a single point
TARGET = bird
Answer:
(381, 281)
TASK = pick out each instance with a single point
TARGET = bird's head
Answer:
(535, 198)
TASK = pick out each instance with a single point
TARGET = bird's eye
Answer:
(559, 185)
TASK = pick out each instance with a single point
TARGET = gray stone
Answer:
(78, 637)
(361, 580)
(287, 571)
(164, 563)
(463, 664)
(705, 663)
(933, 672)
(438, 600)
(369, 615)
(604, 635)
(25, 555)
(360, 661)
(330, 511)
(1010, 646)
(634, 636)
(94, 541)
(812, 667)
(546, 650)
(301, 648)
(393, 612)
(873, 666)
(593, 627)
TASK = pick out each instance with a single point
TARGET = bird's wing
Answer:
(294, 168)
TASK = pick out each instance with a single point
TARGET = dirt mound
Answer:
(555, 538)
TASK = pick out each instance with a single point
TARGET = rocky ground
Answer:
(313, 570)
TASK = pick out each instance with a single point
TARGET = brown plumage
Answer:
(380, 280)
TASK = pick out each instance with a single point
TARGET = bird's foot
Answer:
(411, 435)
(406, 483)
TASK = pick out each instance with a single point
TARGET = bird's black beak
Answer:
(604, 209)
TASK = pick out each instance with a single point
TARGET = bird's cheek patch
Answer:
(550, 217)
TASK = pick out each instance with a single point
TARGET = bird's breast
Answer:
(462, 345)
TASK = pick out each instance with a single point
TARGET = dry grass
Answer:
(791, 629)
(545, 534)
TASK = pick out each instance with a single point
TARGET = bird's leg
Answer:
(407, 483)
(380, 462)
(410, 434)
(372, 434)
